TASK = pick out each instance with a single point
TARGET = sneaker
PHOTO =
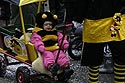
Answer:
(65, 75)
(53, 69)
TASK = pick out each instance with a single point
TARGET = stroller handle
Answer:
(62, 26)
(69, 25)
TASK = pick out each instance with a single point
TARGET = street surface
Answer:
(79, 76)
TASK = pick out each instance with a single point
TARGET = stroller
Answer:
(24, 52)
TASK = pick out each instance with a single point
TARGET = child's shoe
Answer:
(53, 69)
(65, 75)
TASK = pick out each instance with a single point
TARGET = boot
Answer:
(107, 66)
(53, 69)
(65, 75)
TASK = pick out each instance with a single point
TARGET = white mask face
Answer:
(47, 25)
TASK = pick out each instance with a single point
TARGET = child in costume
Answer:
(47, 41)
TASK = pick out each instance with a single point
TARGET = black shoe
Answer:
(65, 75)
(53, 69)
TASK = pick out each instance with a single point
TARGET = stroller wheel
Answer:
(23, 75)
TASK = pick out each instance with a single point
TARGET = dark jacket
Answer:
(57, 7)
(95, 9)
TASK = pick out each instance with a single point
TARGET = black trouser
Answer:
(93, 53)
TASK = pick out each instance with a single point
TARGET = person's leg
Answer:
(64, 62)
(92, 57)
(63, 59)
(48, 59)
(119, 73)
(93, 74)
(118, 54)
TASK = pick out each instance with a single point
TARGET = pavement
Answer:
(79, 76)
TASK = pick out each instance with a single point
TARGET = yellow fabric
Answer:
(94, 78)
(93, 74)
(97, 31)
(36, 29)
(24, 2)
(94, 70)
(52, 48)
(119, 65)
(50, 37)
(93, 82)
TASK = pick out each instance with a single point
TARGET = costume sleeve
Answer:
(37, 41)
(65, 43)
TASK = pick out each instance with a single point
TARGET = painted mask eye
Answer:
(47, 24)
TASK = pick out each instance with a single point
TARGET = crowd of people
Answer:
(104, 24)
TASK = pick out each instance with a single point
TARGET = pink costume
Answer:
(50, 56)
